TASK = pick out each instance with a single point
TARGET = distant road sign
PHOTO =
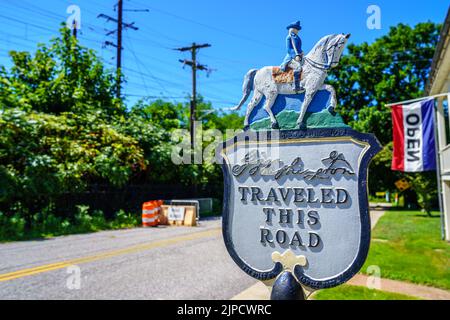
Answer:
(402, 184)
(176, 213)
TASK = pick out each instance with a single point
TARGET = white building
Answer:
(439, 83)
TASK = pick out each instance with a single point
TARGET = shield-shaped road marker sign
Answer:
(297, 201)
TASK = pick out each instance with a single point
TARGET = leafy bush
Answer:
(11, 227)
(83, 220)
(46, 224)
(125, 220)
(98, 221)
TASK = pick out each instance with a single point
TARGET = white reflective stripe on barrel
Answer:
(148, 219)
(149, 211)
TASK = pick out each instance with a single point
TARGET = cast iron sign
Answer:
(298, 196)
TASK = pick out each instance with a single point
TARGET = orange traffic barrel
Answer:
(150, 213)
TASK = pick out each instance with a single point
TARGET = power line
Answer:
(46, 13)
(128, 69)
(212, 27)
(158, 81)
(38, 27)
(140, 85)
(149, 75)
(137, 61)
(93, 28)
(153, 97)
(27, 23)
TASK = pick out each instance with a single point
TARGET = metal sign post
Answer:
(438, 171)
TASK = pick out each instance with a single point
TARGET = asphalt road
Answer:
(154, 263)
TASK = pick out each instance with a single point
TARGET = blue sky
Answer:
(243, 35)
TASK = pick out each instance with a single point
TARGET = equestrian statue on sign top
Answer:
(297, 74)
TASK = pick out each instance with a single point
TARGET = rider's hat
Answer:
(295, 25)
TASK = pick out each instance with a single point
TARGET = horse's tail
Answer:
(247, 87)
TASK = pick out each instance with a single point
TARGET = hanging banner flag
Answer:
(414, 143)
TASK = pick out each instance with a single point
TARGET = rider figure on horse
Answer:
(294, 56)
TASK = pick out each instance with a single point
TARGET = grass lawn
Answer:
(347, 292)
(407, 246)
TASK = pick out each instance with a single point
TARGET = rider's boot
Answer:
(296, 81)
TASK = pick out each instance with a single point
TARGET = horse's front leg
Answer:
(271, 97)
(333, 101)
(257, 97)
(301, 119)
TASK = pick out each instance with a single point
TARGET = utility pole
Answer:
(119, 45)
(195, 66)
(74, 28)
(120, 26)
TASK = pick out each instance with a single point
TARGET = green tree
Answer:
(424, 185)
(61, 127)
(166, 114)
(393, 68)
(62, 77)
(44, 155)
(168, 117)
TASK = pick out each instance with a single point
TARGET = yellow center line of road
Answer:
(108, 254)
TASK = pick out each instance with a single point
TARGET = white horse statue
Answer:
(325, 55)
